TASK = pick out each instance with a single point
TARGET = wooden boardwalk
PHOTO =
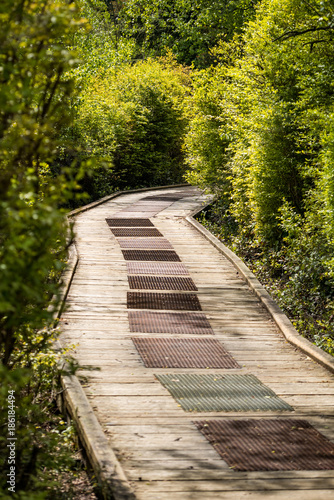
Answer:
(161, 451)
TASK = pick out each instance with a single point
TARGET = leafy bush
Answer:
(208, 139)
(97, 43)
(274, 173)
(133, 118)
(44, 443)
(35, 97)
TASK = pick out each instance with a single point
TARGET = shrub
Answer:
(133, 118)
(35, 97)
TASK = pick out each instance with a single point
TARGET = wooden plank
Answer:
(235, 485)
(154, 389)
(249, 495)
(192, 471)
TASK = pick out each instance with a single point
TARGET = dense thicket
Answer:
(190, 28)
(133, 120)
(35, 98)
(130, 118)
(266, 113)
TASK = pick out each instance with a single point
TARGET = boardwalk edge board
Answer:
(281, 320)
(113, 483)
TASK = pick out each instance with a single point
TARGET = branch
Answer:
(290, 34)
(317, 41)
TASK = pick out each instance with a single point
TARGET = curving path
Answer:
(198, 394)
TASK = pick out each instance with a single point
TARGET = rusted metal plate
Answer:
(129, 222)
(161, 283)
(135, 231)
(172, 196)
(183, 353)
(220, 392)
(167, 198)
(256, 445)
(170, 322)
(165, 268)
(172, 301)
(159, 255)
(148, 243)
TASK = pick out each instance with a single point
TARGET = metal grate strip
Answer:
(183, 353)
(158, 255)
(260, 445)
(161, 283)
(129, 222)
(170, 198)
(172, 301)
(135, 231)
(196, 392)
(170, 322)
(167, 268)
(145, 243)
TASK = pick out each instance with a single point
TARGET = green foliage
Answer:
(134, 120)
(43, 445)
(35, 98)
(97, 43)
(308, 292)
(207, 140)
(211, 130)
(272, 162)
(275, 110)
(189, 28)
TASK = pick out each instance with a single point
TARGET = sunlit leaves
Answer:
(133, 118)
(276, 116)
(35, 100)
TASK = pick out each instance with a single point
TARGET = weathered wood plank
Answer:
(187, 470)
(241, 495)
(235, 485)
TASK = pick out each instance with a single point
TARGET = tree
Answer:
(133, 119)
(189, 28)
(35, 98)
